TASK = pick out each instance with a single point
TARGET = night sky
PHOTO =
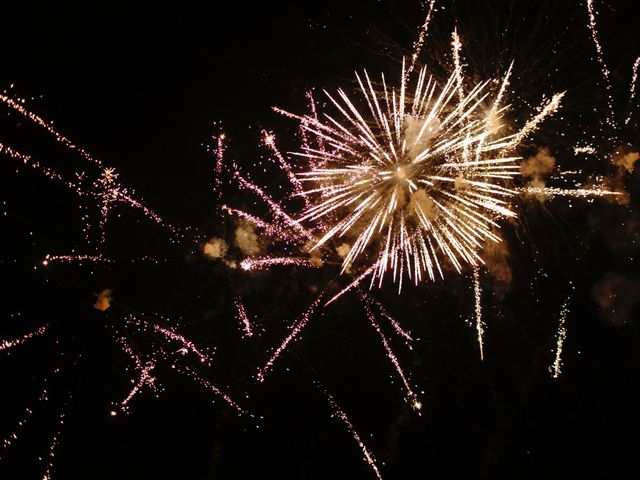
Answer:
(145, 88)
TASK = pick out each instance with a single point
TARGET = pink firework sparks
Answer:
(603, 65)
(43, 397)
(145, 379)
(53, 446)
(417, 45)
(295, 331)
(186, 345)
(18, 105)
(213, 389)
(243, 318)
(342, 416)
(411, 397)
(7, 344)
(264, 263)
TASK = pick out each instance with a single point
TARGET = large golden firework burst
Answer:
(411, 177)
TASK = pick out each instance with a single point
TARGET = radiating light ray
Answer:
(411, 397)
(394, 323)
(265, 263)
(342, 416)
(477, 292)
(556, 366)
(8, 344)
(295, 331)
(352, 285)
(243, 318)
(603, 65)
(424, 31)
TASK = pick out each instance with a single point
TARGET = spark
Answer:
(48, 259)
(340, 414)
(243, 317)
(556, 367)
(417, 45)
(295, 331)
(212, 388)
(42, 397)
(18, 106)
(352, 285)
(584, 149)
(478, 308)
(600, 56)
(264, 263)
(394, 323)
(145, 378)
(568, 192)
(411, 397)
(632, 88)
(55, 441)
(7, 344)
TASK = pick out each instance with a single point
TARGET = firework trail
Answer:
(603, 66)
(568, 192)
(295, 331)
(556, 366)
(417, 45)
(243, 318)
(264, 263)
(339, 413)
(18, 106)
(213, 389)
(42, 397)
(105, 189)
(632, 88)
(477, 293)
(411, 397)
(55, 441)
(7, 344)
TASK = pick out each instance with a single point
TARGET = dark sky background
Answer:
(144, 88)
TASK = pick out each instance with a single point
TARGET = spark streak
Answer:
(478, 308)
(600, 56)
(295, 331)
(366, 454)
(7, 344)
(264, 263)
(243, 317)
(556, 367)
(411, 397)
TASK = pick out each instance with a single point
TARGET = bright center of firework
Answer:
(400, 173)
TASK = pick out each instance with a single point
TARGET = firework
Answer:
(413, 177)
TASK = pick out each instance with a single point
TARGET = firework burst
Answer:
(417, 175)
